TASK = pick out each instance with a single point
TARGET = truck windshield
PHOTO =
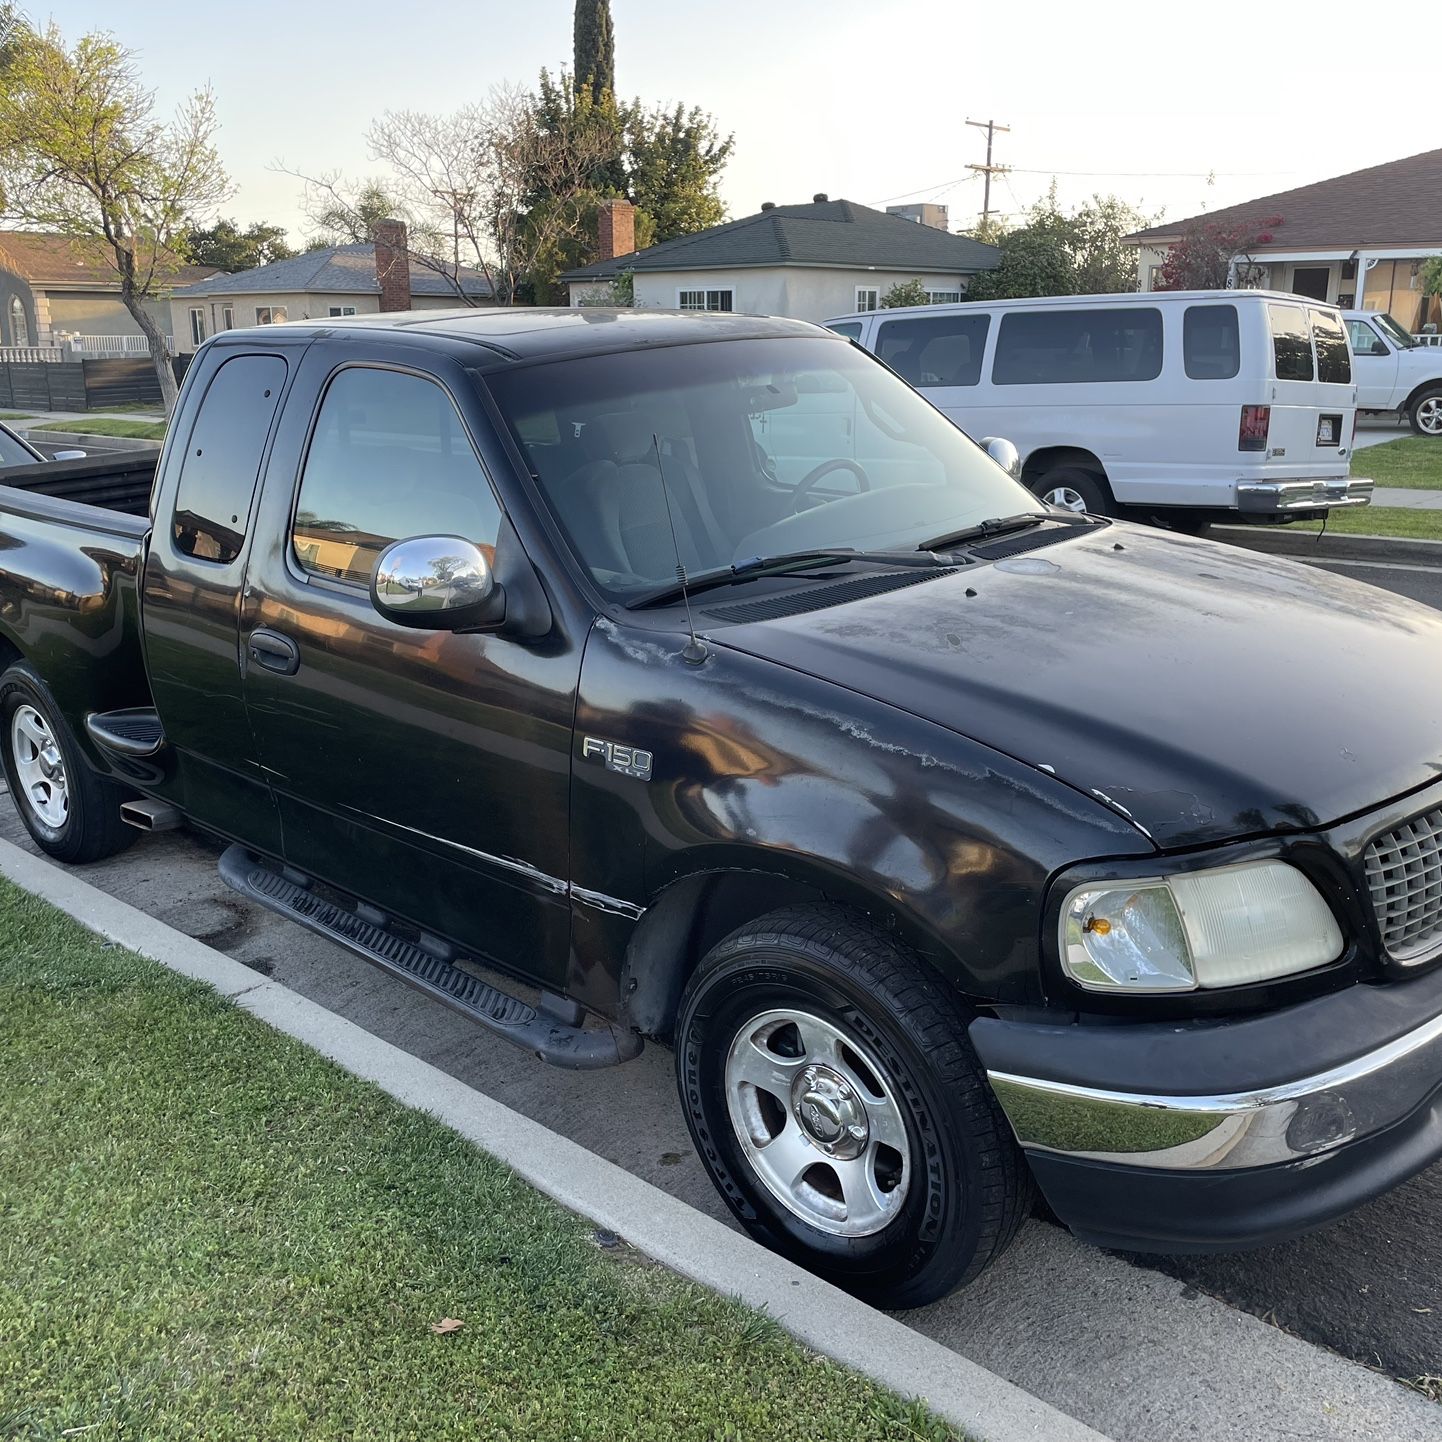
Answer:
(745, 449)
(1394, 331)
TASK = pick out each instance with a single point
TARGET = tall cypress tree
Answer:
(595, 47)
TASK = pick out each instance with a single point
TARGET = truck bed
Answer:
(113, 483)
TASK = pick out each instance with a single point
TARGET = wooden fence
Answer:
(82, 385)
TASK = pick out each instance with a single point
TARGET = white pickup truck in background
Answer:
(1394, 371)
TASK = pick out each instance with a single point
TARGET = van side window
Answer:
(388, 459)
(1064, 345)
(940, 350)
(1211, 350)
(851, 329)
(1334, 360)
(1291, 342)
(222, 459)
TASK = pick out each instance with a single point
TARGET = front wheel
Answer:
(71, 811)
(1073, 489)
(836, 1101)
(1424, 414)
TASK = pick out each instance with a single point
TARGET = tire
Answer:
(71, 811)
(1424, 412)
(1082, 490)
(881, 1046)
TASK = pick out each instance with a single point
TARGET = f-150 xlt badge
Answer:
(627, 760)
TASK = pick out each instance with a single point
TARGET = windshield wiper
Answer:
(755, 566)
(995, 526)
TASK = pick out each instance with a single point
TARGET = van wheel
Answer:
(70, 809)
(837, 1103)
(1424, 414)
(1073, 489)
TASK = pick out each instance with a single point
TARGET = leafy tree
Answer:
(905, 292)
(594, 48)
(1201, 258)
(673, 163)
(226, 246)
(83, 153)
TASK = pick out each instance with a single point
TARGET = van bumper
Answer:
(1278, 498)
(1259, 1147)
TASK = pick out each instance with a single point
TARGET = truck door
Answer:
(190, 608)
(426, 772)
(1374, 363)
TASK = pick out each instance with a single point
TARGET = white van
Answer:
(1395, 371)
(1186, 405)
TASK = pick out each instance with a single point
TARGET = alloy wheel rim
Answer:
(39, 767)
(819, 1121)
(1429, 416)
(1066, 498)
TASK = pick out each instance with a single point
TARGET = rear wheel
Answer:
(1424, 414)
(1073, 489)
(837, 1103)
(72, 812)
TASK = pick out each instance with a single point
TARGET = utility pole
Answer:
(991, 127)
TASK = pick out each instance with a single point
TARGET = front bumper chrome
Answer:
(1283, 1123)
(1276, 498)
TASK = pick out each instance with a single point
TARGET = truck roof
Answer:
(526, 333)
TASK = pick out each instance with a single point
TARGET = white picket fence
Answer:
(29, 354)
(112, 345)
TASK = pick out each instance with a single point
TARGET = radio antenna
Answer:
(694, 653)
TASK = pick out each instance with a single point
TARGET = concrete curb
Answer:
(82, 439)
(987, 1407)
(1305, 545)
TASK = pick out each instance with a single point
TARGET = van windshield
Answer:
(748, 448)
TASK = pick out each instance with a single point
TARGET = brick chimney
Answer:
(615, 229)
(393, 266)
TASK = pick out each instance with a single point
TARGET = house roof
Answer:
(1399, 203)
(334, 269)
(55, 260)
(826, 233)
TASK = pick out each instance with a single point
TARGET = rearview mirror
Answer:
(1004, 454)
(437, 583)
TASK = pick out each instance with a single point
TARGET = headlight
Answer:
(1225, 927)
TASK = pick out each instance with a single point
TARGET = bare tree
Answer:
(83, 153)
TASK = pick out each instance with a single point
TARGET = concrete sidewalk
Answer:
(45, 418)
(1408, 498)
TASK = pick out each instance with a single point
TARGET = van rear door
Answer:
(1313, 398)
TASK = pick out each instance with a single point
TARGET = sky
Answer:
(862, 99)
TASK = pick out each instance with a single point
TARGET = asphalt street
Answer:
(1145, 1350)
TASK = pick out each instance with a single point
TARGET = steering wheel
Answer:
(839, 463)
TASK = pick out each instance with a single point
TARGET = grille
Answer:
(1404, 874)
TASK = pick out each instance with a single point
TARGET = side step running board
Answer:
(554, 1032)
(132, 733)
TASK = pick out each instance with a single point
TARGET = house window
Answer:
(867, 297)
(227, 317)
(339, 310)
(705, 300)
(270, 315)
(19, 326)
(942, 297)
(197, 325)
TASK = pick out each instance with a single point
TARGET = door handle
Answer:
(274, 651)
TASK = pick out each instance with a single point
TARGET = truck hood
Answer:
(1203, 691)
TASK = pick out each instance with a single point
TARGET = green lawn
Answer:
(14, 415)
(108, 426)
(1414, 462)
(1400, 521)
(210, 1232)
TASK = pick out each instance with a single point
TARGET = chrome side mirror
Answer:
(437, 583)
(68, 456)
(1004, 454)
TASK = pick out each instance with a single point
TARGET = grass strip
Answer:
(1398, 521)
(207, 1230)
(1413, 462)
(108, 426)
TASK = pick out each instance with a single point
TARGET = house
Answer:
(57, 290)
(1358, 240)
(338, 280)
(809, 262)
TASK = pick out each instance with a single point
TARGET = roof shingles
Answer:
(45, 259)
(335, 269)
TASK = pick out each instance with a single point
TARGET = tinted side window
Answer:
(851, 329)
(1069, 346)
(941, 350)
(222, 460)
(389, 458)
(1211, 349)
(1334, 360)
(1291, 342)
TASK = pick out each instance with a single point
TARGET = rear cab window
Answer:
(1069, 345)
(1211, 344)
(940, 350)
(389, 458)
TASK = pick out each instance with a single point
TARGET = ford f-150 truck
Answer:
(957, 844)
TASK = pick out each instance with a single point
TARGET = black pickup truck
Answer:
(614, 675)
